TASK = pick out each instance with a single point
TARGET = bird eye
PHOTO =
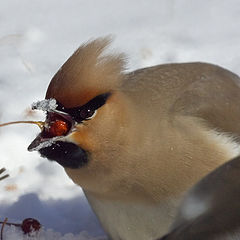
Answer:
(87, 114)
(86, 111)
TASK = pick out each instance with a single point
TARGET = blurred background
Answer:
(36, 38)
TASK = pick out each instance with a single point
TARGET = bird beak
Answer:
(36, 142)
(56, 127)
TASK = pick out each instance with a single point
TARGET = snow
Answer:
(36, 37)
(45, 105)
(47, 143)
(12, 232)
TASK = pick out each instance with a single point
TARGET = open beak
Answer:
(56, 127)
(52, 143)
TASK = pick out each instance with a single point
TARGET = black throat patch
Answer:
(67, 154)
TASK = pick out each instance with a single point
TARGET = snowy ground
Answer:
(37, 36)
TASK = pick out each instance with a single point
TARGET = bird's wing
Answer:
(213, 96)
(211, 209)
(196, 89)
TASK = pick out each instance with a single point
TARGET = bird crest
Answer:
(87, 73)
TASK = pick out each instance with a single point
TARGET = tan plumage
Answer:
(161, 129)
(210, 210)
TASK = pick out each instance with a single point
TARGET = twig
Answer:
(3, 224)
(39, 123)
(5, 176)
(11, 224)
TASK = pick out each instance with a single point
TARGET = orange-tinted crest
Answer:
(86, 74)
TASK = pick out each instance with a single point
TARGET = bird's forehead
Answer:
(73, 90)
(72, 96)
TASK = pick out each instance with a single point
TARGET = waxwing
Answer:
(210, 210)
(136, 141)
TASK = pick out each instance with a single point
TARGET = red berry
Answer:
(30, 225)
(58, 128)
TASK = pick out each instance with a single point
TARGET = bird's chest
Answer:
(129, 221)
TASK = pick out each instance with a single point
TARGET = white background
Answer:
(37, 36)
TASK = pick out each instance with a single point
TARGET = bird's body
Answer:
(155, 133)
(153, 187)
(210, 210)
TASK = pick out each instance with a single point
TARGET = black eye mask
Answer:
(84, 112)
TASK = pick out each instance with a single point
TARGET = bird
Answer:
(136, 141)
(210, 209)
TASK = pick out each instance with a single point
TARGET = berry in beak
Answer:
(56, 126)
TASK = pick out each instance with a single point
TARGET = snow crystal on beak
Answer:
(47, 105)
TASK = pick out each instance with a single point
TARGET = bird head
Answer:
(86, 116)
